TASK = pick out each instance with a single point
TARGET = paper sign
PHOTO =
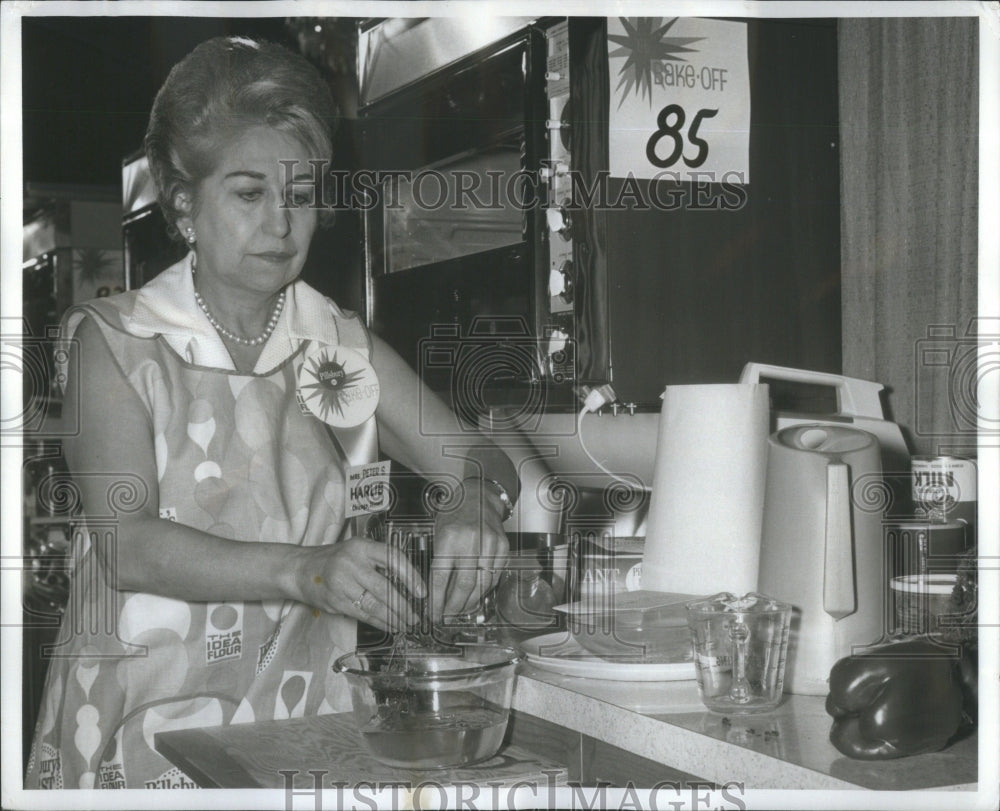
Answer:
(367, 488)
(680, 99)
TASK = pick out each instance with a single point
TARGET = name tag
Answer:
(367, 488)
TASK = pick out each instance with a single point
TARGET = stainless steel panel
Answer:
(396, 52)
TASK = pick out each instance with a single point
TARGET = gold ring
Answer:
(361, 596)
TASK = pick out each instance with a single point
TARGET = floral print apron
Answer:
(239, 457)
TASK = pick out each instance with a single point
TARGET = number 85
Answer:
(673, 130)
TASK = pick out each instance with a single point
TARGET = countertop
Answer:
(645, 732)
(787, 748)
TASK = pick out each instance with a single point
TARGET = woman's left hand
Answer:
(470, 550)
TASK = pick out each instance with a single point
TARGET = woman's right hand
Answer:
(352, 577)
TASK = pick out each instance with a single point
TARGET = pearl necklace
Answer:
(272, 322)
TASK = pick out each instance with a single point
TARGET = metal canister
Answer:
(602, 564)
(944, 489)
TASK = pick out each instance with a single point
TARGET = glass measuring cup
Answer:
(740, 644)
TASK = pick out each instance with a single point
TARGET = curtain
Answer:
(909, 95)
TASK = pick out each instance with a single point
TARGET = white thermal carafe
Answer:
(821, 545)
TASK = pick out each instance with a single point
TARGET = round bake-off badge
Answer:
(338, 385)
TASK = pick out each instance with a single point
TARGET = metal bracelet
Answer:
(508, 504)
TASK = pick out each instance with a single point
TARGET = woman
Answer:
(236, 402)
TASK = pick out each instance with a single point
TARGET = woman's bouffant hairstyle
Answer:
(222, 87)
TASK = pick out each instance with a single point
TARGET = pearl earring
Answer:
(190, 235)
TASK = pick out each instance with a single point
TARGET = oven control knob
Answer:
(559, 221)
(557, 341)
(566, 273)
(557, 284)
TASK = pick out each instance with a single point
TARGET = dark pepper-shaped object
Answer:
(899, 699)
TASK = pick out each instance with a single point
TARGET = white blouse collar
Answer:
(166, 306)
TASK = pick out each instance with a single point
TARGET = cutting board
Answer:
(255, 755)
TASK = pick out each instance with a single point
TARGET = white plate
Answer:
(560, 653)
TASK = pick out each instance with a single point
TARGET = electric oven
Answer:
(461, 125)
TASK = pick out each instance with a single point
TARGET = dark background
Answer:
(89, 83)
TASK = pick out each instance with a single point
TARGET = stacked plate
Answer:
(621, 635)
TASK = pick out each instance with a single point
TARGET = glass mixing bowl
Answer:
(431, 709)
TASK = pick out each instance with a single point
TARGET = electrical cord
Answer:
(597, 398)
